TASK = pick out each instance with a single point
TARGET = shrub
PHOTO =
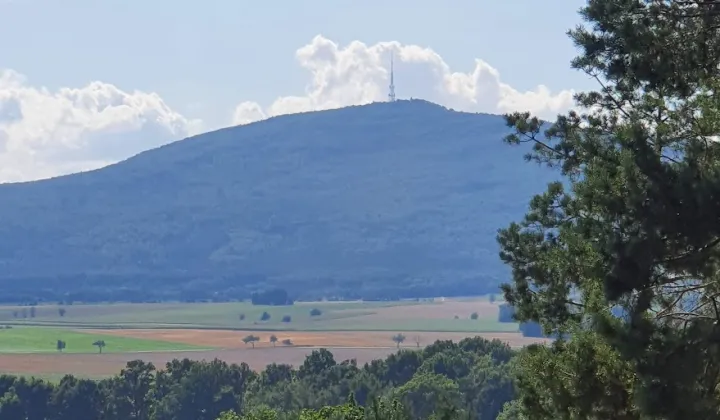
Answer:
(474, 316)
(506, 313)
(315, 312)
(265, 316)
(286, 318)
(531, 329)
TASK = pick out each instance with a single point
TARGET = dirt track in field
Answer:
(439, 310)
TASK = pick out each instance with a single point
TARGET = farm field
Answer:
(98, 366)
(335, 316)
(159, 333)
(44, 340)
(329, 339)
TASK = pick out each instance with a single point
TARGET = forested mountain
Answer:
(376, 201)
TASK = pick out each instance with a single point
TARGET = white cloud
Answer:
(359, 74)
(46, 133)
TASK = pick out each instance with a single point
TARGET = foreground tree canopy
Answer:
(470, 380)
(624, 255)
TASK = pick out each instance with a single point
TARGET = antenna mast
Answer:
(391, 95)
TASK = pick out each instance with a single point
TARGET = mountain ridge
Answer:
(380, 200)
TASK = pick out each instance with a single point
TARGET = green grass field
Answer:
(44, 340)
(336, 316)
(189, 314)
(482, 325)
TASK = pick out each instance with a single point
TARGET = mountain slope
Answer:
(387, 199)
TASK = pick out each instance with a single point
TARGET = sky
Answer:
(87, 83)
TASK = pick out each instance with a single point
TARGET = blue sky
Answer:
(88, 82)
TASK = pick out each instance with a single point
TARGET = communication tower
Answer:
(391, 94)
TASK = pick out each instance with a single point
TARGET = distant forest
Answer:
(74, 289)
(379, 202)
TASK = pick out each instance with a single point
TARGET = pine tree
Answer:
(635, 225)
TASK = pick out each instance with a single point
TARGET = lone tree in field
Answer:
(242, 317)
(287, 318)
(61, 345)
(474, 316)
(100, 344)
(634, 224)
(273, 340)
(251, 339)
(398, 338)
(61, 312)
(265, 316)
(315, 312)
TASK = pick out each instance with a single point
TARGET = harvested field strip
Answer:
(371, 339)
(103, 365)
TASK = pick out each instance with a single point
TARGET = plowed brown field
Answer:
(98, 365)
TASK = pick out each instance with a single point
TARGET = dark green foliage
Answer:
(241, 317)
(474, 316)
(273, 297)
(466, 380)
(265, 316)
(194, 216)
(315, 312)
(286, 318)
(623, 256)
(100, 344)
(62, 312)
(76, 399)
(506, 313)
(61, 345)
(251, 339)
(531, 329)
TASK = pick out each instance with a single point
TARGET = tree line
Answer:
(469, 378)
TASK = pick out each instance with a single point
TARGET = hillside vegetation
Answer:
(380, 201)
